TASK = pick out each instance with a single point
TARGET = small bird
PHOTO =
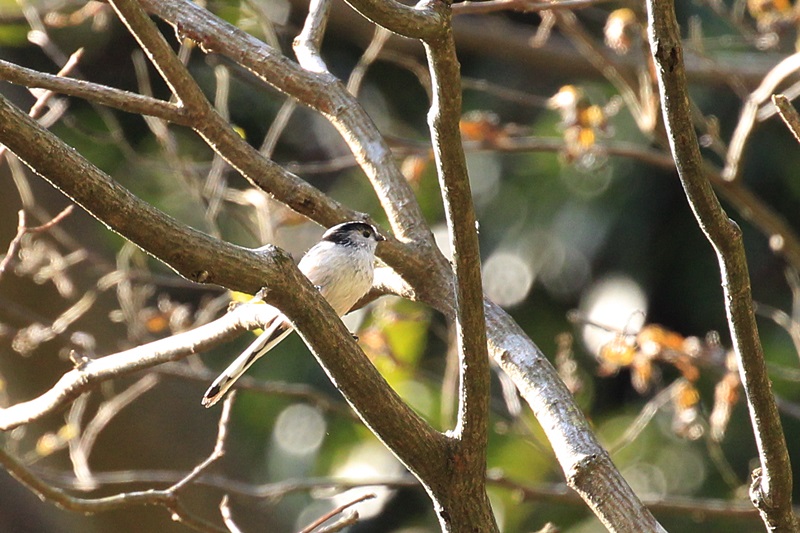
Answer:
(340, 265)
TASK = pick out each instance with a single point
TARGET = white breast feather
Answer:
(344, 277)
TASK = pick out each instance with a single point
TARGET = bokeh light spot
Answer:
(616, 304)
(507, 278)
(299, 429)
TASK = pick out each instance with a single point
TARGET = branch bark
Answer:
(116, 98)
(468, 484)
(587, 467)
(771, 490)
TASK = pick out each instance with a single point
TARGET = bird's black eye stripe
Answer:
(344, 233)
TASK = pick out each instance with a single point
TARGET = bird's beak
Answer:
(379, 237)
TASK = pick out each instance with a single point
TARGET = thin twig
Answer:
(277, 128)
(71, 64)
(333, 512)
(645, 415)
(643, 112)
(346, 521)
(23, 229)
(369, 56)
(79, 453)
(227, 515)
(788, 113)
(60, 498)
(747, 119)
(219, 445)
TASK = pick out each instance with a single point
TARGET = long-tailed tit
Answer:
(340, 265)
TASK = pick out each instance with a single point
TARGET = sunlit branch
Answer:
(772, 483)
(788, 113)
(95, 92)
(747, 118)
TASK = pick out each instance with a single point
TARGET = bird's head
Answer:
(355, 233)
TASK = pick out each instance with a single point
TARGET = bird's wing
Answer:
(272, 335)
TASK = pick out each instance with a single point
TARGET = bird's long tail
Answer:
(263, 343)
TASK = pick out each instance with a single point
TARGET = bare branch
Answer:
(227, 515)
(747, 118)
(416, 22)
(788, 113)
(116, 98)
(307, 44)
(89, 373)
(772, 485)
(166, 498)
(80, 449)
(23, 229)
(183, 86)
(451, 167)
(422, 449)
(333, 512)
(368, 57)
(219, 445)
(644, 113)
(347, 520)
(587, 466)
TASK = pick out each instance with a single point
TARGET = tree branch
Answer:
(321, 92)
(174, 73)
(307, 44)
(788, 113)
(747, 119)
(587, 466)
(101, 94)
(451, 166)
(473, 410)
(772, 486)
(191, 253)
(89, 372)
(417, 22)
(416, 444)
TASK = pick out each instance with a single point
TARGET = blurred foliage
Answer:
(575, 228)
